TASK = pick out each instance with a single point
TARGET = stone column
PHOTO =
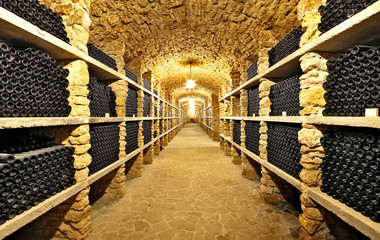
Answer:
(76, 18)
(269, 189)
(215, 134)
(313, 225)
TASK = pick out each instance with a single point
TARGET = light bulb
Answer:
(190, 84)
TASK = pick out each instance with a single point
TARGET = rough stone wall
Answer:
(78, 78)
(76, 17)
(158, 33)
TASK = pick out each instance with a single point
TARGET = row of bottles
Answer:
(236, 133)
(105, 146)
(285, 97)
(39, 15)
(130, 74)
(31, 84)
(253, 101)
(337, 11)
(146, 106)
(102, 99)
(131, 103)
(252, 70)
(31, 170)
(353, 83)
(252, 136)
(147, 131)
(132, 131)
(351, 168)
(101, 56)
(289, 44)
(284, 148)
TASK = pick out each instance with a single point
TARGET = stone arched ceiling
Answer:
(215, 35)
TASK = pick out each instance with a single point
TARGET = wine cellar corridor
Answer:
(192, 192)
(189, 119)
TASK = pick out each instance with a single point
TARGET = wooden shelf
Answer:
(364, 224)
(207, 126)
(28, 216)
(338, 39)
(23, 34)
(369, 122)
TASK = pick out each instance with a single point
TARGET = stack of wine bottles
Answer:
(102, 99)
(353, 84)
(252, 136)
(39, 15)
(147, 131)
(130, 74)
(286, 46)
(146, 106)
(351, 168)
(236, 134)
(252, 70)
(146, 84)
(20, 140)
(101, 56)
(161, 109)
(31, 84)
(337, 11)
(161, 127)
(131, 103)
(253, 101)
(284, 148)
(28, 178)
(285, 97)
(132, 129)
(104, 146)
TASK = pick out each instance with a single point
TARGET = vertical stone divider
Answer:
(137, 167)
(215, 135)
(269, 190)
(312, 220)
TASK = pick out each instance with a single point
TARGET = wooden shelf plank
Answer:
(369, 122)
(28, 216)
(347, 214)
(290, 179)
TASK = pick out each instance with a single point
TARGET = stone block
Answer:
(82, 161)
(81, 140)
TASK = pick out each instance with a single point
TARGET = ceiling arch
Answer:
(217, 35)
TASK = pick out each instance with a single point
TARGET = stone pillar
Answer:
(227, 133)
(78, 80)
(269, 189)
(313, 225)
(76, 17)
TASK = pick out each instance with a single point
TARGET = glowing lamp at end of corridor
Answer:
(190, 84)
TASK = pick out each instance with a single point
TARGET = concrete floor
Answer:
(192, 191)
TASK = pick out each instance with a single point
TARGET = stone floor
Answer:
(192, 191)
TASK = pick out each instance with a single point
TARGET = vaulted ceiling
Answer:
(215, 36)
